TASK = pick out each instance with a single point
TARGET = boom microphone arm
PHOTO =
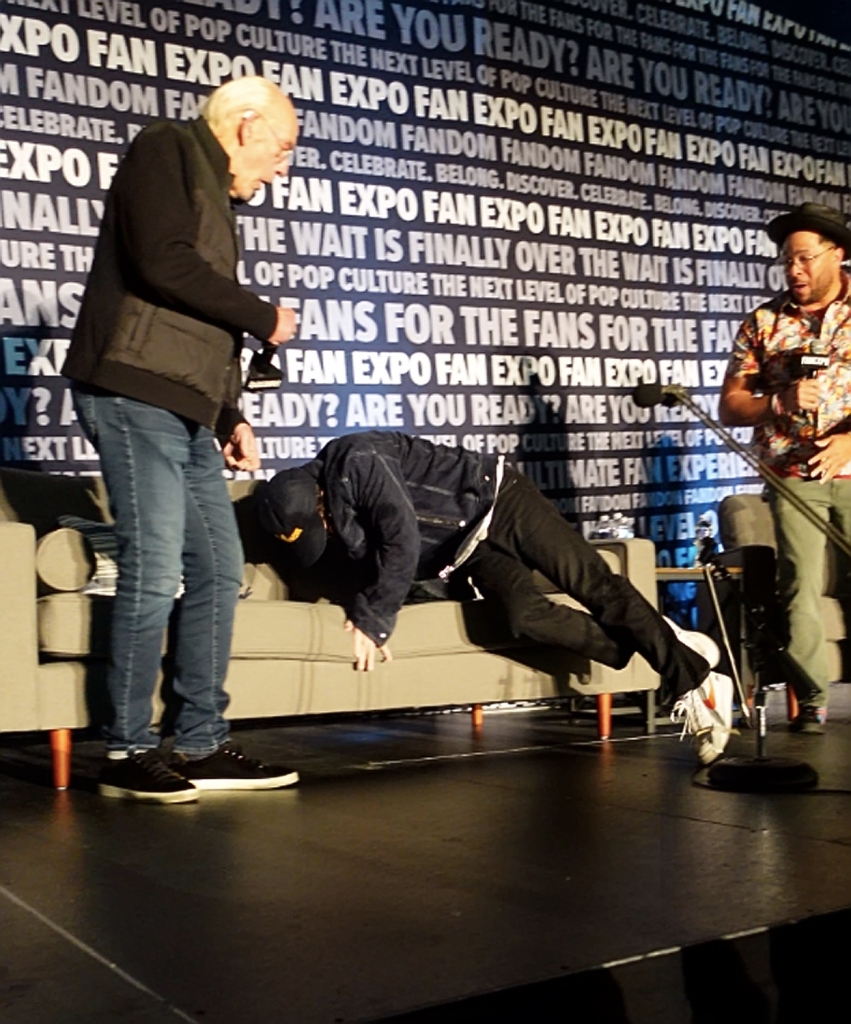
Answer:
(647, 395)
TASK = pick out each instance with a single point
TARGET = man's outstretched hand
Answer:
(364, 649)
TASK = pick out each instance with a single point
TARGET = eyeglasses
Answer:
(790, 262)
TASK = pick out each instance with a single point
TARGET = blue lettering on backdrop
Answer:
(501, 216)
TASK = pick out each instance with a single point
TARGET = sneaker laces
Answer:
(683, 711)
(153, 763)
(251, 763)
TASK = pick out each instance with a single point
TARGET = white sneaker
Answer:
(702, 644)
(706, 713)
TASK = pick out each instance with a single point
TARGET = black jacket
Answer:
(407, 504)
(163, 315)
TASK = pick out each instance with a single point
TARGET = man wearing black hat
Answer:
(802, 423)
(402, 509)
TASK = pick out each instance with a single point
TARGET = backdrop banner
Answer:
(502, 215)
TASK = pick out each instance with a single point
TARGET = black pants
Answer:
(527, 533)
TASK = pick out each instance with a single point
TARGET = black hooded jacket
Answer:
(407, 504)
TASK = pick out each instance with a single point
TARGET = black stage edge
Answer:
(790, 974)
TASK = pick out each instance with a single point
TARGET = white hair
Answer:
(241, 96)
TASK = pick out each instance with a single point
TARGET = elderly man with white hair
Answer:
(154, 359)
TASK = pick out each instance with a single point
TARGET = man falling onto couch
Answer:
(413, 510)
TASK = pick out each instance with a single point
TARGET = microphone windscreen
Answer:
(645, 395)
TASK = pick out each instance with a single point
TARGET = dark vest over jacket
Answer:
(163, 315)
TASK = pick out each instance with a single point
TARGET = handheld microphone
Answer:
(262, 373)
(646, 395)
(808, 364)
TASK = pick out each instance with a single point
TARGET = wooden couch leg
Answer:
(604, 715)
(791, 703)
(477, 717)
(60, 746)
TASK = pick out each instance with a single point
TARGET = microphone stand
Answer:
(707, 557)
(760, 773)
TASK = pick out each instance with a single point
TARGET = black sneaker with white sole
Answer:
(229, 768)
(144, 777)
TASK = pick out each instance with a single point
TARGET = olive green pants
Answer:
(800, 556)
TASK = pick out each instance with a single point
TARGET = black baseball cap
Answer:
(287, 508)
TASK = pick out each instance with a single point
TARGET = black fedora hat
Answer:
(823, 220)
(287, 508)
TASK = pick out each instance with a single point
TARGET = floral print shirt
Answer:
(768, 347)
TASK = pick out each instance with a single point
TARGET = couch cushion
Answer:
(74, 625)
(289, 629)
(294, 630)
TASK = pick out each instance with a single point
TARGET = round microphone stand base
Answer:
(761, 775)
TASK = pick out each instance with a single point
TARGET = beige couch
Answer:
(289, 657)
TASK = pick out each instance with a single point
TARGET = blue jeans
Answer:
(173, 520)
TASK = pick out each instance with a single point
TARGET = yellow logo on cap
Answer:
(294, 536)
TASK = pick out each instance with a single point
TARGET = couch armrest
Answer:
(637, 560)
(18, 637)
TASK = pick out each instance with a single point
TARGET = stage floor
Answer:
(419, 864)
